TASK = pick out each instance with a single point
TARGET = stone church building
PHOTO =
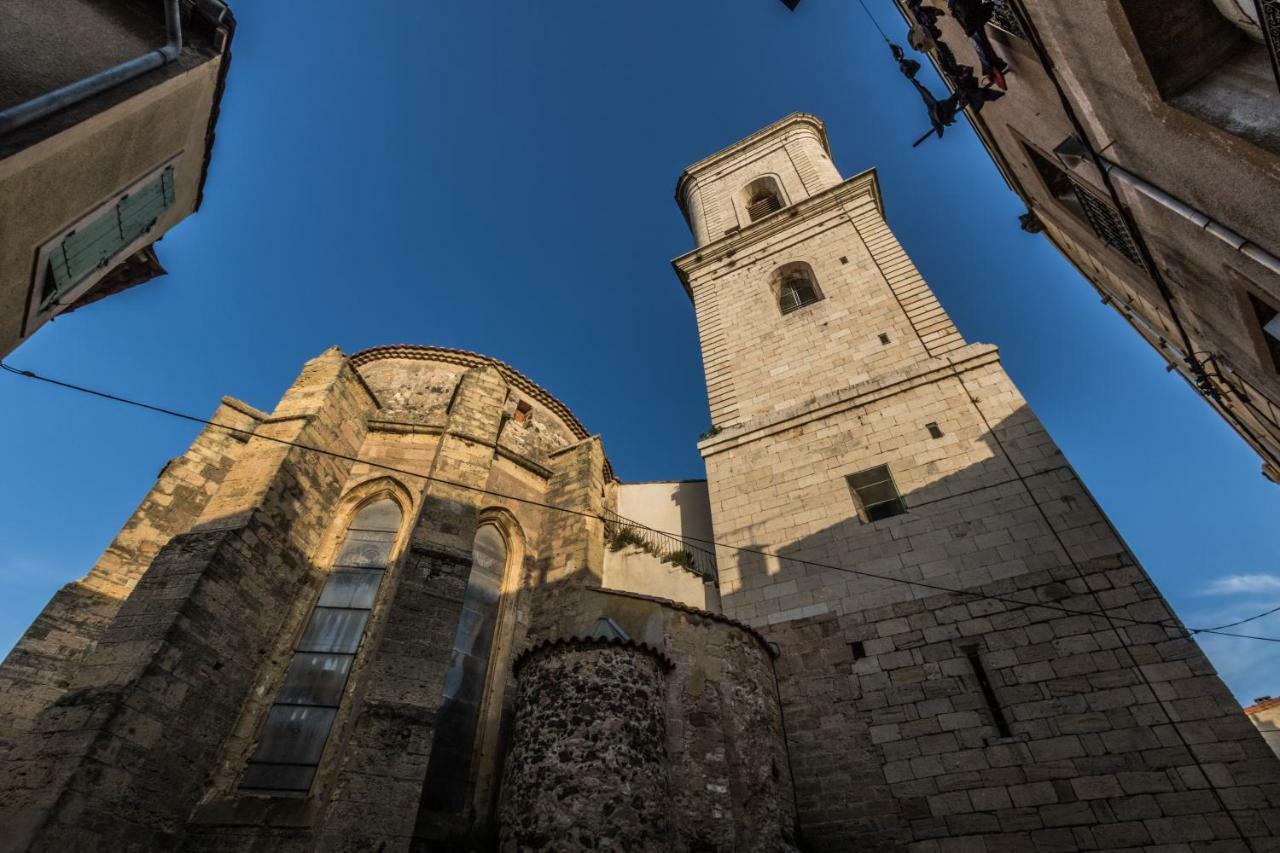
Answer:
(412, 609)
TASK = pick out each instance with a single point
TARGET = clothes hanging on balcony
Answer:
(973, 17)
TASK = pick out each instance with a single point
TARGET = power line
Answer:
(115, 398)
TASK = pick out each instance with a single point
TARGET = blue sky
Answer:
(498, 176)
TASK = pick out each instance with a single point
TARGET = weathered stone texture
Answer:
(588, 770)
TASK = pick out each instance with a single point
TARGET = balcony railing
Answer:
(620, 533)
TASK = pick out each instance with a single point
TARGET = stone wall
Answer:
(587, 770)
(1111, 735)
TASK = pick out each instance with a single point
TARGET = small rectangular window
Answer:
(934, 430)
(884, 338)
(876, 493)
(859, 650)
(524, 412)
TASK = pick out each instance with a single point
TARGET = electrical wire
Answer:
(1166, 624)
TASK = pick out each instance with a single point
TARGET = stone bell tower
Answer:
(968, 649)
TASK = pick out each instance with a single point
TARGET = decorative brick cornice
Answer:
(573, 643)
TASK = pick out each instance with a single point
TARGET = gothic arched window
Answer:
(466, 680)
(298, 723)
(795, 286)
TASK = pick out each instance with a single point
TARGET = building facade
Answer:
(1144, 139)
(413, 609)
(1264, 713)
(107, 117)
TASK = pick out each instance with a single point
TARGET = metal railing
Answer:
(621, 533)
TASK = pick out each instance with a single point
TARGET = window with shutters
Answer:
(297, 726)
(876, 493)
(762, 197)
(72, 262)
(795, 286)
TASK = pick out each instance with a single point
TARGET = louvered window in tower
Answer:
(796, 293)
(762, 204)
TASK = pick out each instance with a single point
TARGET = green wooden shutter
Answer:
(94, 244)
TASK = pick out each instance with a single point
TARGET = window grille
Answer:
(877, 493)
(298, 724)
(762, 204)
(1269, 18)
(1107, 223)
(797, 293)
(1003, 17)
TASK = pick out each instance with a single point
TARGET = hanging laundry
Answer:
(941, 113)
(908, 67)
(973, 17)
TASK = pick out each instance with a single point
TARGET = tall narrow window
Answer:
(876, 493)
(453, 745)
(298, 724)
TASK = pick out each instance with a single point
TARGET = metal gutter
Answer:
(1242, 245)
(50, 102)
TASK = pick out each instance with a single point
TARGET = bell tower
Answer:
(946, 595)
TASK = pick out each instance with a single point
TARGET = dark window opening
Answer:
(988, 693)
(1269, 321)
(524, 413)
(762, 204)
(876, 493)
(797, 293)
(844, 259)
(934, 430)
(884, 338)
(859, 650)
(1087, 206)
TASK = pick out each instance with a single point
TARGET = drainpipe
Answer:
(1072, 152)
(50, 102)
(1217, 229)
